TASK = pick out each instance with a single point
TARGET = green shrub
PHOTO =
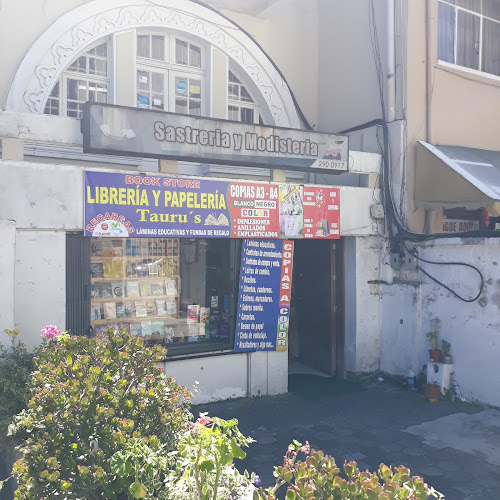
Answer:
(318, 477)
(201, 469)
(16, 365)
(91, 396)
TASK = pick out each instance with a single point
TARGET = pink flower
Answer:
(50, 331)
(205, 420)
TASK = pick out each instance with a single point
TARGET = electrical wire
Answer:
(464, 264)
(398, 232)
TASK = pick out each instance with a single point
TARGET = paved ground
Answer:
(371, 424)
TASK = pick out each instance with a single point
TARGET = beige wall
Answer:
(288, 33)
(445, 106)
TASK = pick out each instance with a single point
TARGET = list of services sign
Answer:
(264, 295)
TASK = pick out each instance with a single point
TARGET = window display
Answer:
(166, 290)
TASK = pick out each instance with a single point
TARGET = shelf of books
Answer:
(135, 285)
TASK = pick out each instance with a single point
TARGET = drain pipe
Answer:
(390, 66)
(428, 71)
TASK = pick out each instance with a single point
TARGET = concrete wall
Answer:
(232, 376)
(362, 304)
(471, 328)
(7, 273)
(40, 289)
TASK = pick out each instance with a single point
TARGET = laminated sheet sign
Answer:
(264, 295)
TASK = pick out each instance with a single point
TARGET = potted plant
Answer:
(447, 359)
(432, 337)
(432, 392)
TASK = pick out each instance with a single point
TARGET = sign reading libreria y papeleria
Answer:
(123, 205)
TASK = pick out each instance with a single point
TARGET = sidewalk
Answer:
(459, 454)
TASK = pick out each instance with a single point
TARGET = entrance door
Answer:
(314, 299)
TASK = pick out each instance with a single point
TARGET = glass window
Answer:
(233, 113)
(446, 33)
(194, 56)
(80, 91)
(181, 52)
(491, 8)
(143, 46)
(468, 26)
(84, 80)
(151, 47)
(188, 54)
(491, 47)
(474, 5)
(247, 115)
(234, 91)
(181, 106)
(188, 95)
(468, 34)
(80, 65)
(166, 290)
(245, 96)
(237, 95)
(52, 105)
(150, 89)
(158, 47)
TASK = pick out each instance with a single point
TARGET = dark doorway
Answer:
(313, 339)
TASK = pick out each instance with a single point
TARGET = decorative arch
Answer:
(81, 27)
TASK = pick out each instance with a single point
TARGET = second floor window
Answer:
(241, 106)
(86, 79)
(170, 74)
(469, 34)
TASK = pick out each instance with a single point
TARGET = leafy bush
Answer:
(16, 365)
(202, 469)
(318, 477)
(205, 469)
(91, 396)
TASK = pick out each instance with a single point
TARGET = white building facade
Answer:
(392, 74)
(190, 58)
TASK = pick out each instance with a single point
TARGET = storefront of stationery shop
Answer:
(205, 266)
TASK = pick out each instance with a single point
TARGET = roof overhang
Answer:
(454, 176)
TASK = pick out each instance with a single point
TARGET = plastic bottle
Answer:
(411, 379)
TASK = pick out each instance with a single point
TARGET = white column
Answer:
(7, 273)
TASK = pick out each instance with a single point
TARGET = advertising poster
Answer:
(139, 205)
(321, 212)
(264, 295)
(291, 211)
(254, 210)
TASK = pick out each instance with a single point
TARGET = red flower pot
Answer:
(432, 392)
(435, 355)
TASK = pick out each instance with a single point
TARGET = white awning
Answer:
(454, 176)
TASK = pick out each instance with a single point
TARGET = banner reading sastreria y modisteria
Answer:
(122, 205)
